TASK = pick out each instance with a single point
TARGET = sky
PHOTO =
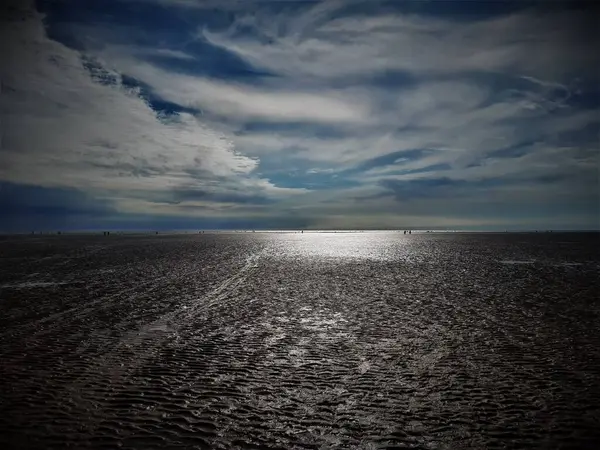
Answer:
(205, 114)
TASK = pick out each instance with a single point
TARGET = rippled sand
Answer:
(317, 341)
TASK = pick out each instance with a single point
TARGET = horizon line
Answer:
(58, 232)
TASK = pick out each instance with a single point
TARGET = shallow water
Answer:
(323, 341)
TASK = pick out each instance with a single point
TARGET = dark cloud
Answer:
(26, 206)
(182, 195)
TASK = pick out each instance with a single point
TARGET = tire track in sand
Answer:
(107, 373)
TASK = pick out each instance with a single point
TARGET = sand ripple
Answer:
(233, 342)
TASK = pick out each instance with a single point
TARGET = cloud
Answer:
(546, 45)
(312, 112)
(242, 102)
(65, 124)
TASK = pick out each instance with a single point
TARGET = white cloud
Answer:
(60, 127)
(428, 117)
(142, 51)
(534, 44)
(538, 161)
(242, 102)
(456, 113)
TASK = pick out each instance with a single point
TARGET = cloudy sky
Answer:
(190, 114)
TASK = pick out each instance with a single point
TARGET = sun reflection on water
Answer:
(358, 245)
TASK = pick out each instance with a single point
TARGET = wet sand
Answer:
(315, 341)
